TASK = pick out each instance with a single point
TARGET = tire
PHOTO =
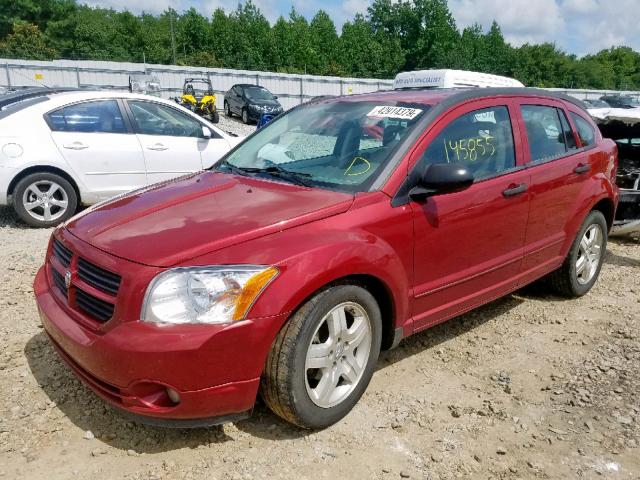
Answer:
(293, 388)
(227, 110)
(54, 197)
(588, 248)
(245, 116)
(215, 117)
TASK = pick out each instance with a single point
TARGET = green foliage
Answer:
(393, 35)
(26, 41)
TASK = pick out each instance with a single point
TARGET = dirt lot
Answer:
(530, 386)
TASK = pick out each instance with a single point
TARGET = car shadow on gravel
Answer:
(8, 218)
(443, 332)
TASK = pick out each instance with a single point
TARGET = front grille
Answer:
(94, 307)
(62, 253)
(58, 280)
(97, 277)
(91, 275)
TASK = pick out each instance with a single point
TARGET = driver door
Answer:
(468, 245)
(171, 141)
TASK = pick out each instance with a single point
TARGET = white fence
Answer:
(291, 89)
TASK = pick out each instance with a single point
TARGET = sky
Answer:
(576, 26)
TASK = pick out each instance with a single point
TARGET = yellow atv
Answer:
(198, 96)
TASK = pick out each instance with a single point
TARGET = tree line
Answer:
(391, 36)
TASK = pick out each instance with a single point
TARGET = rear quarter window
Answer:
(586, 132)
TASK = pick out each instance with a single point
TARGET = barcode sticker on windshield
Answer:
(386, 111)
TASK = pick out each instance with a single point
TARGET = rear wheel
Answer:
(322, 361)
(215, 117)
(44, 199)
(581, 268)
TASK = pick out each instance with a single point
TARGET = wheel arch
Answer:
(44, 169)
(607, 208)
(381, 292)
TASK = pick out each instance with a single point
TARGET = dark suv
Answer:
(250, 102)
(621, 101)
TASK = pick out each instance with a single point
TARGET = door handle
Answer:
(514, 190)
(581, 168)
(76, 146)
(158, 147)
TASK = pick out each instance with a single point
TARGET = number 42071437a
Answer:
(469, 149)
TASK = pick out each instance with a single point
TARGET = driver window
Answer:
(155, 119)
(482, 140)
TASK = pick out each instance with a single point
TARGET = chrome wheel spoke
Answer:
(32, 205)
(337, 322)
(326, 386)
(47, 213)
(318, 356)
(53, 188)
(349, 369)
(58, 203)
(581, 264)
(357, 333)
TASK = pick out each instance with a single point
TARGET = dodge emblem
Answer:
(67, 279)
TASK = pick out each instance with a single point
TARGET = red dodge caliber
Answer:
(330, 234)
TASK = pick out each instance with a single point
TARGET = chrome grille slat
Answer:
(98, 278)
(62, 253)
(101, 311)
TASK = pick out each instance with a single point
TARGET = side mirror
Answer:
(275, 97)
(206, 132)
(440, 178)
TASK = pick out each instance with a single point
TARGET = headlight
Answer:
(205, 294)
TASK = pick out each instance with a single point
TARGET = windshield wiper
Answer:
(276, 171)
(297, 178)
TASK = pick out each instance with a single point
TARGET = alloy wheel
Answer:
(45, 200)
(589, 254)
(338, 354)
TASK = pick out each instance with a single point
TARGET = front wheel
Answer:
(322, 360)
(581, 268)
(215, 117)
(44, 199)
(227, 110)
(245, 116)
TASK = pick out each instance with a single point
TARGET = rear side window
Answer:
(569, 138)
(482, 140)
(102, 116)
(544, 131)
(585, 130)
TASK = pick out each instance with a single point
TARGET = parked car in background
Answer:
(249, 102)
(318, 241)
(596, 103)
(61, 150)
(621, 101)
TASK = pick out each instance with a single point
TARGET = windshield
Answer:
(198, 86)
(335, 145)
(257, 93)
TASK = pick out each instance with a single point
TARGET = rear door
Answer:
(468, 245)
(172, 141)
(99, 145)
(558, 170)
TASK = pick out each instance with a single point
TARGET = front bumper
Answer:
(215, 369)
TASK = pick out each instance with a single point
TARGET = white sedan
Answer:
(62, 149)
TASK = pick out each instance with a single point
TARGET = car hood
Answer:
(169, 223)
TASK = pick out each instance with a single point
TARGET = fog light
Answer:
(173, 395)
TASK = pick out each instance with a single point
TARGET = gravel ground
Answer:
(529, 386)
